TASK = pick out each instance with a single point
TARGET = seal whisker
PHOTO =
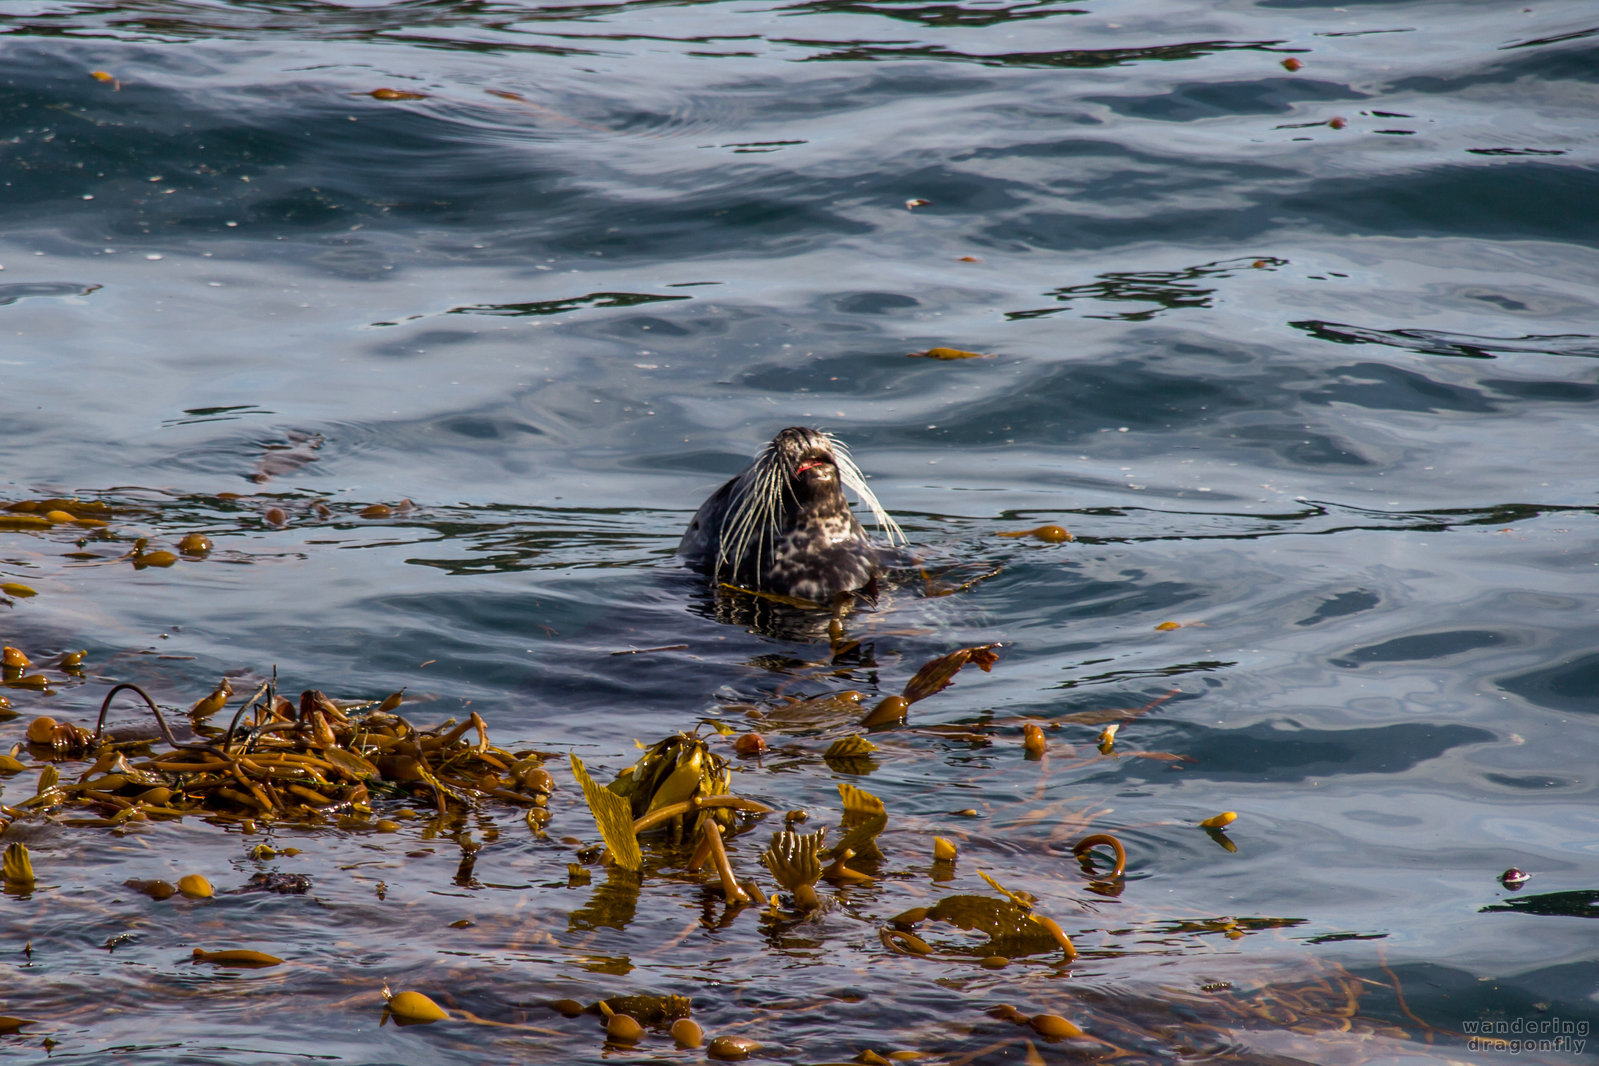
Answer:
(855, 481)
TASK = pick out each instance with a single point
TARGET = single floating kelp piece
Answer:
(205, 708)
(938, 674)
(948, 353)
(864, 818)
(1009, 924)
(933, 677)
(195, 886)
(236, 957)
(1033, 739)
(17, 867)
(1165, 627)
(620, 1028)
(1053, 1027)
(858, 801)
(614, 817)
(851, 755)
(1219, 821)
(393, 94)
(731, 1048)
(413, 1008)
(197, 544)
(687, 1033)
(943, 850)
(852, 745)
(1047, 534)
(156, 890)
(13, 658)
(13, 588)
(1107, 739)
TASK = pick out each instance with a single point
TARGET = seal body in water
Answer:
(784, 525)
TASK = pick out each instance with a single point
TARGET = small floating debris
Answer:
(237, 957)
(947, 354)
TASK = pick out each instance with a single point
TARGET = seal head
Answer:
(784, 525)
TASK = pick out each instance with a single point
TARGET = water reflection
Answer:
(1167, 290)
(1436, 342)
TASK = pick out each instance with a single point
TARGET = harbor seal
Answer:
(784, 526)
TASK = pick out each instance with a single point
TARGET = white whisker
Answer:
(852, 478)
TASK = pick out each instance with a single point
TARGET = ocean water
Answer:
(1286, 310)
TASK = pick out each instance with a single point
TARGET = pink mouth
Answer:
(808, 464)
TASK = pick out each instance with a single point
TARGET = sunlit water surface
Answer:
(1303, 353)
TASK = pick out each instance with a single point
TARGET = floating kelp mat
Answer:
(735, 890)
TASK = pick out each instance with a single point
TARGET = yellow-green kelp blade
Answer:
(614, 815)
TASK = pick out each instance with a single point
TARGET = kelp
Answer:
(279, 761)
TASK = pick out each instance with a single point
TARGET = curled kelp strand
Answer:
(1084, 846)
(900, 942)
(166, 731)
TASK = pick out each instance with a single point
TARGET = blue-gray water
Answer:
(1306, 358)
